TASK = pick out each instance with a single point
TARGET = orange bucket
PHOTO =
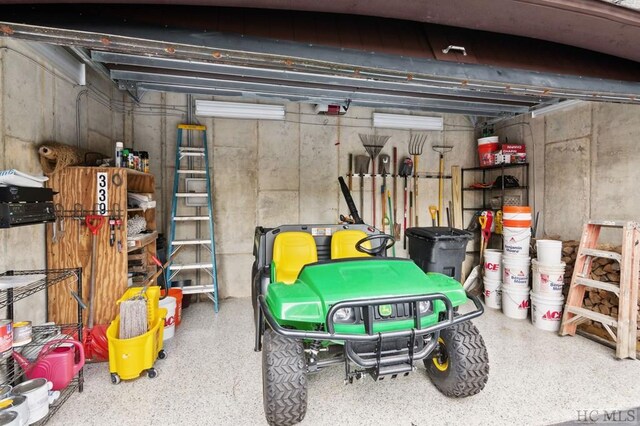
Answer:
(516, 223)
(516, 209)
(177, 293)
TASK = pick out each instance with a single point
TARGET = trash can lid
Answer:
(438, 233)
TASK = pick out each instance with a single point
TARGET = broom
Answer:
(373, 144)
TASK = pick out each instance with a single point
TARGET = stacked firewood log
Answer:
(607, 270)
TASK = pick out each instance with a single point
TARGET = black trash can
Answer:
(438, 249)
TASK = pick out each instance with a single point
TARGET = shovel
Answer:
(362, 168)
(383, 169)
(95, 342)
(472, 283)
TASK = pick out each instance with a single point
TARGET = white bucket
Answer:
(492, 293)
(169, 303)
(515, 270)
(547, 279)
(549, 252)
(493, 264)
(546, 311)
(515, 301)
(488, 140)
(516, 240)
(516, 216)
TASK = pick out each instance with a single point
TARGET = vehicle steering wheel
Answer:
(387, 242)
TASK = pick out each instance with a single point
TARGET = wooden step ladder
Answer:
(625, 326)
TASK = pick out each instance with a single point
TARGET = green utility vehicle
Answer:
(327, 294)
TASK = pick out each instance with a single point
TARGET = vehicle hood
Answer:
(323, 284)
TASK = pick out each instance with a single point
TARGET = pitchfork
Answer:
(415, 148)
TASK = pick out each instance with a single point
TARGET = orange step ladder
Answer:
(625, 325)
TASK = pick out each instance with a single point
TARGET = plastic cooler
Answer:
(438, 249)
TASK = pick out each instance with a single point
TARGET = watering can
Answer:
(57, 365)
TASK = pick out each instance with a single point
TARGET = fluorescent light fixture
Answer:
(63, 61)
(239, 110)
(555, 107)
(400, 121)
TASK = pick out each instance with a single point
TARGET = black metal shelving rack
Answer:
(11, 372)
(523, 188)
(493, 172)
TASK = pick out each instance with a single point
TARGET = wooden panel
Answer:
(78, 185)
(140, 182)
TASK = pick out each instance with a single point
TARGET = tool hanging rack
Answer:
(419, 175)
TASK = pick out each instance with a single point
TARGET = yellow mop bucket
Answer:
(128, 358)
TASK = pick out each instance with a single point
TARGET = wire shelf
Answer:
(11, 372)
(64, 396)
(51, 277)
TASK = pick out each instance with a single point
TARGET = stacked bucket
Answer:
(516, 232)
(548, 279)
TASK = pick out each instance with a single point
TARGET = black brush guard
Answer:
(389, 363)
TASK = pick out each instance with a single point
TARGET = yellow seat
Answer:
(343, 244)
(291, 251)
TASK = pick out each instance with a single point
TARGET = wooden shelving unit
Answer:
(77, 187)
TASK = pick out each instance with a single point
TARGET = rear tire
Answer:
(462, 367)
(284, 379)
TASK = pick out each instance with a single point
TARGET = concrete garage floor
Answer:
(212, 376)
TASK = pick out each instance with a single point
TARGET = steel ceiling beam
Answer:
(157, 87)
(285, 90)
(306, 78)
(273, 54)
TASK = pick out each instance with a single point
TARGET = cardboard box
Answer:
(509, 148)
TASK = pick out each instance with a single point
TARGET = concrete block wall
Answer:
(38, 105)
(270, 173)
(584, 165)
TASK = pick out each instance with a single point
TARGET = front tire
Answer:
(460, 364)
(284, 379)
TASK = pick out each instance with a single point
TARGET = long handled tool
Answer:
(405, 172)
(433, 210)
(383, 169)
(94, 338)
(392, 218)
(353, 211)
(396, 225)
(415, 149)
(373, 144)
(440, 149)
(362, 168)
(350, 175)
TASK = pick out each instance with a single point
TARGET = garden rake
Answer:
(373, 144)
(416, 143)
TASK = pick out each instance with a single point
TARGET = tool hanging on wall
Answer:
(440, 149)
(373, 144)
(392, 218)
(405, 171)
(396, 225)
(383, 169)
(94, 337)
(118, 213)
(415, 149)
(350, 175)
(362, 168)
(353, 211)
(433, 210)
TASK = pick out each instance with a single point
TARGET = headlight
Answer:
(424, 307)
(344, 315)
